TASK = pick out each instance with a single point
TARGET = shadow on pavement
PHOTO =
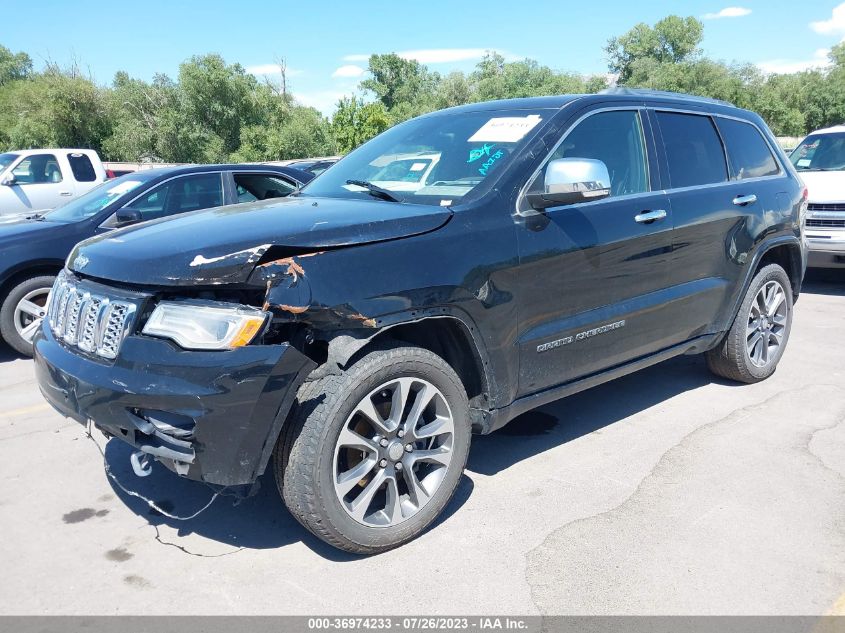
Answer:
(7, 353)
(570, 418)
(259, 522)
(824, 281)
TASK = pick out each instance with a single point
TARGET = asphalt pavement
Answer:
(665, 492)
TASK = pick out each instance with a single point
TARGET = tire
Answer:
(17, 319)
(315, 464)
(747, 353)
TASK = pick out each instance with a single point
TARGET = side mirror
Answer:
(8, 181)
(572, 180)
(127, 216)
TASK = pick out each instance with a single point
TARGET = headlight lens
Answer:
(203, 327)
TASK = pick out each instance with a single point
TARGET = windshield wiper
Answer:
(374, 190)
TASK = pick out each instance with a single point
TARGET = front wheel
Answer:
(23, 310)
(754, 345)
(372, 456)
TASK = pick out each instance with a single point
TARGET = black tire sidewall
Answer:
(767, 274)
(10, 302)
(356, 389)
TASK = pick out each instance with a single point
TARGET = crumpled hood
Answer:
(223, 245)
(824, 186)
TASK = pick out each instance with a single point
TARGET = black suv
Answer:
(33, 248)
(458, 270)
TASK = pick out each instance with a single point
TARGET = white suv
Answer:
(820, 159)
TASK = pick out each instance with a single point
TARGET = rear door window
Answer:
(252, 187)
(38, 169)
(694, 150)
(748, 152)
(82, 168)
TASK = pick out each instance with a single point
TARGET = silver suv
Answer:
(820, 159)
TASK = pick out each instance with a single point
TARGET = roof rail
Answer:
(647, 92)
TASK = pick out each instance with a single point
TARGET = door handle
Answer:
(647, 217)
(64, 193)
(742, 201)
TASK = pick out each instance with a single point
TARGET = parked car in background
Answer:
(315, 166)
(33, 250)
(358, 334)
(34, 181)
(820, 160)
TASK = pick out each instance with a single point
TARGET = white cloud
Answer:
(786, 66)
(727, 12)
(349, 70)
(272, 69)
(835, 25)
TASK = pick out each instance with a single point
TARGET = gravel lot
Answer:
(665, 492)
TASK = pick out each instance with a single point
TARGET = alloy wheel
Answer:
(767, 321)
(29, 313)
(393, 452)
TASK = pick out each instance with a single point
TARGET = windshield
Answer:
(820, 152)
(437, 160)
(6, 160)
(97, 199)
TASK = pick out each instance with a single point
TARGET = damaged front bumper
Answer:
(209, 416)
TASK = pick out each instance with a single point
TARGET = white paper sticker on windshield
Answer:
(804, 162)
(418, 166)
(506, 129)
(121, 188)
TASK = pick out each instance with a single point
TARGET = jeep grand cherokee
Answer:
(359, 332)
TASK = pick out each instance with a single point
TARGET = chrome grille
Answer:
(93, 322)
(829, 206)
(820, 223)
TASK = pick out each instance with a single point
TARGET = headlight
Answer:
(200, 326)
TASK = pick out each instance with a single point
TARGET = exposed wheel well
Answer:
(448, 338)
(32, 271)
(788, 257)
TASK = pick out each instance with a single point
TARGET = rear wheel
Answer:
(22, 311)
(372, 456)
(755, 343)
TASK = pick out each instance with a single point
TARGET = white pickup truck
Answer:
(33, 181)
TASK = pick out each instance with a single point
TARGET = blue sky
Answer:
(326, 43)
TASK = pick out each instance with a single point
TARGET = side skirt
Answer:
(497, 418)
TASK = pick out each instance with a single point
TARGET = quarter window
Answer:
(82, 168)
(748, 153)
(261, 187)
(694, 151)
(616, 139)
(38, 169)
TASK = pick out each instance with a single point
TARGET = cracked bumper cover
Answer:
(210, 416)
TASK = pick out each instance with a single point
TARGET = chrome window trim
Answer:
(657, 108)
(626, 108)
(159, 184)
(716, 115)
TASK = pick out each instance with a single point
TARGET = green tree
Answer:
(671, 40)
(404, 86)
(217, 100)
(496, 79)
(54, 108)
(13, 66)
(356, 122)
